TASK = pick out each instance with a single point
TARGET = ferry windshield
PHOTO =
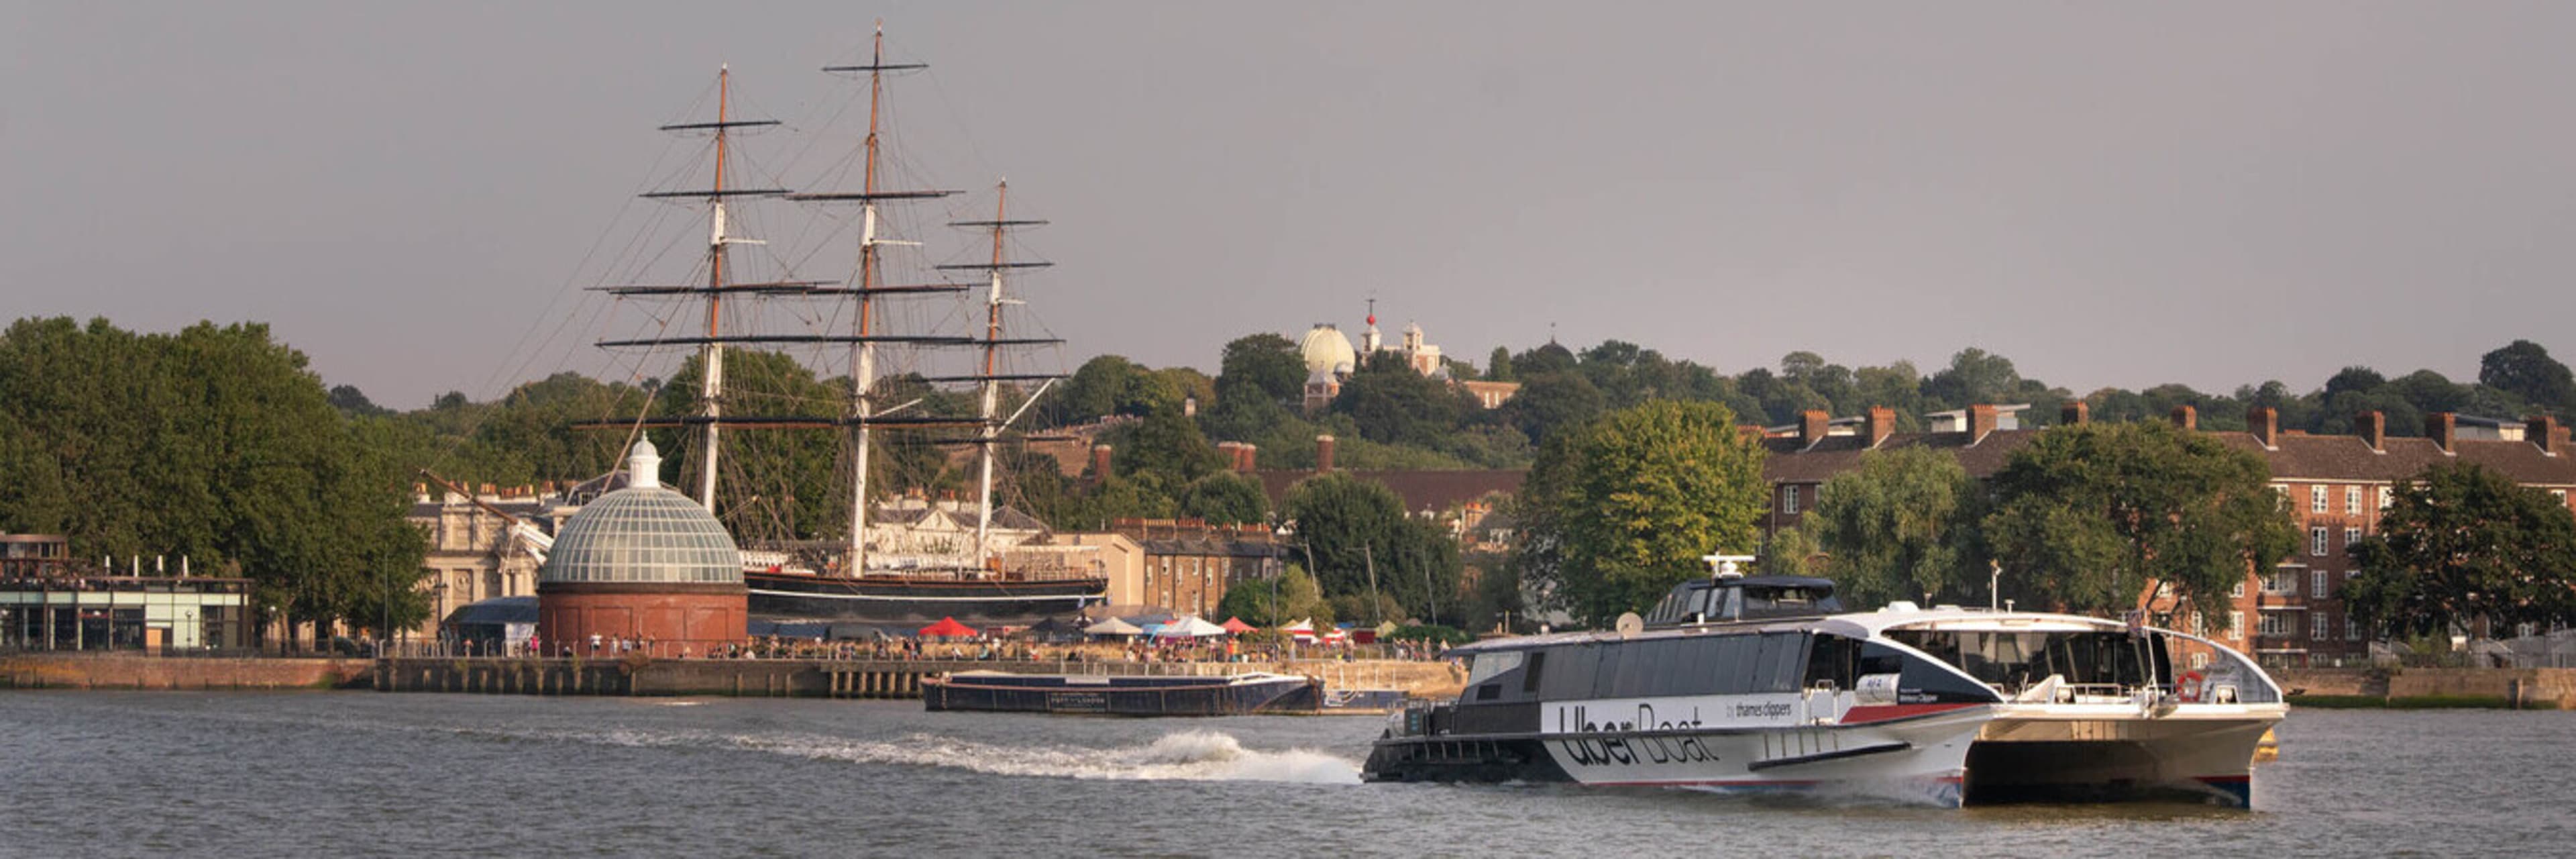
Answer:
(2088, 662)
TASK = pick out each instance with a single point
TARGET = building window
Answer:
(2386, 497)
(2317, 498)
(2235, 624)
(2199, 661)
(2278, 582)
(2273, 625)
(2350, 536)
(1789, 499)
(2352, 499)
(2237, 591)
(2318, 628)
(2317, 542)
(2351, 628)
(2560, 495)
(2317, 583)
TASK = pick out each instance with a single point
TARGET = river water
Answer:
(111, 773)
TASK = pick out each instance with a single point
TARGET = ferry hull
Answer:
(2067, 754)
(900, 600)
(1920, 758)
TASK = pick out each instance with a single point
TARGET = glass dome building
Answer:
(643, 568)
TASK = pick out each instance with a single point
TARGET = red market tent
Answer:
(947, 627)
(1236, 626)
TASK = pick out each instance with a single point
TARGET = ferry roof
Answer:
(1862, 624)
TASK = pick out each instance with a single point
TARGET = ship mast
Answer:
(993, 342)
(711, 355)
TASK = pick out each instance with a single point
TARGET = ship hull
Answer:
(793, 597)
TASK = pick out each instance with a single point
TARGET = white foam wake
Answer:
(1179, 756)
(1182, 756)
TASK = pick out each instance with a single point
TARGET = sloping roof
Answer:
(2344, 457)
(1421, 489)
(1792, 461)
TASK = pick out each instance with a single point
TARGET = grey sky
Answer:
(2205, 193)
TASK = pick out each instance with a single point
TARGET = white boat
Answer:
(1764, 683)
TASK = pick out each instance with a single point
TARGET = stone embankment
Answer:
(833, 678)
(2517, 688)
(121, 671)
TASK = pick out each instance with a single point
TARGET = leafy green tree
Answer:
(1974, 376)
(770, 484)
(1226, 498)
(1791, 552)
(1393, 404)
(1167, 443)
(1552, 402)
(1354, 525)
(1264, 367)
(2524, 369)
(2087, 516)
(1618, 512)
(1892, 526)
(2460, 543)
(1296, 597)
(1498, 367)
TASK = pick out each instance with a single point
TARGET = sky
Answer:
(2109, 194)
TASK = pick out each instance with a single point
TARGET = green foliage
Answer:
(1893, 528)
(2524, 369)
(783, 485)
(1355, 526)
(2085, 516)
(1262, 368)
(1498, 366)
(1618, 512)
(1258, 603)
(216, 443)
(1226, 499)
(1392, 404)
(1433, 634)
(1793, 552)
(2462, 542)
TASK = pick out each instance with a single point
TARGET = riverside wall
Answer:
(130, 671)
(2505, 687)
(821, 678)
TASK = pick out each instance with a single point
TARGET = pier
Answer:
(832, 678)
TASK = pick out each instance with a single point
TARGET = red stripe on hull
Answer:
(1892, 712)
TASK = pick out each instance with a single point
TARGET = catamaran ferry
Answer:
(1764, 682)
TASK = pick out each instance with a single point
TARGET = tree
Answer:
(1892, 526)
(1225, 498)
(1790, 552)
(1294, 598)
(2089, 515)
(1264, 367)
(2524, 369)
(1498, 367)
(351, 401)
(1353, 526)
(1550, 402)
(1974, 376)
(1395, 405)
(1618, 512)
(2461, 543)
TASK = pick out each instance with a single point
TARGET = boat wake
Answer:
(1179, 756)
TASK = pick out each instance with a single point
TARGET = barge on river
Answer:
(1228, 695)
(1764, 683)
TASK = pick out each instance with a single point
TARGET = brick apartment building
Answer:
(2334, 486)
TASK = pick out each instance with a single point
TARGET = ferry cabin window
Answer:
(1487, 666)
(1831, 661)
(2014, 660)
(1537, 668)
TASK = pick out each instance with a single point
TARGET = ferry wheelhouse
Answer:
(1765, 683)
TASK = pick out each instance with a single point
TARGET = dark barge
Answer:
(1229, 695)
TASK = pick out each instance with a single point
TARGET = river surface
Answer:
(113, 773)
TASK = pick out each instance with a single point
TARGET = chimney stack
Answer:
(2443, 429)
(1880, 424)
(1323, 453)
(1099, 462)
(1982, 419)
(2186, 417)
(1811, 427)
(2546, 432)
(1246, 457)
(2265, 424)
(2373, 427)
(2076, 413)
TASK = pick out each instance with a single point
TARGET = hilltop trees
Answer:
(1354, 527)
(2460, 543)
(2087, 516)
(2524, 369)
(1619, 511)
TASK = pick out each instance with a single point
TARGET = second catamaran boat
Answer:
(1763, 682)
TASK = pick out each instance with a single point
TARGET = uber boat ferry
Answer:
(1764, 682)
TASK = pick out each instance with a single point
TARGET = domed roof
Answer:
(1327, 351)
(643, 533)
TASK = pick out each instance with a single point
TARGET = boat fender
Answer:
(1875, 689)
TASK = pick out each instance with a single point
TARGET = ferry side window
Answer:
(1530, 675)
(1735, 658)
(1777, 668)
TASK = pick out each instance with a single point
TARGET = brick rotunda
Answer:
(642, 565)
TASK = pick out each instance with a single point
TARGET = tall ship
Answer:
(903, 557)
(1752, 683)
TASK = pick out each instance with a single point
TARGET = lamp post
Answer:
(1994, 585)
